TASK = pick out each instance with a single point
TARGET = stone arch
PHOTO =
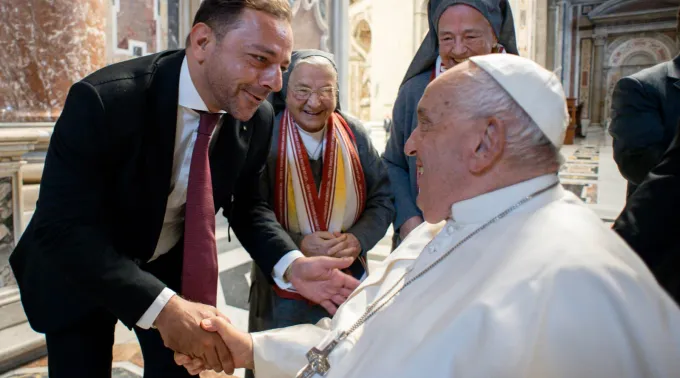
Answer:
(629, 54)
(360, 67)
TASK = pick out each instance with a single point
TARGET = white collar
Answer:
(486, 206)
(188, 95)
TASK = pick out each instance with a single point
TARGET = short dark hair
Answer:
(223, 15)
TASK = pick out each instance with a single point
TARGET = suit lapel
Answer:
(228, 155)
(159, 142)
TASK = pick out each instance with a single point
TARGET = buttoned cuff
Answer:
(281, 267)
(149, 317)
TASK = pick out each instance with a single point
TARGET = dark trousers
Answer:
(85, 349)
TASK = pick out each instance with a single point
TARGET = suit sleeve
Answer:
(397, 164)
(252, 218)
(637, 129)
(379, 211)
(70, 224)
(649, 220)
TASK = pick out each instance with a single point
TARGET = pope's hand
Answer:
(240, 345)
(320, 280)
(178, 324)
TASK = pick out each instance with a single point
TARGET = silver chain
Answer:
(372, 309)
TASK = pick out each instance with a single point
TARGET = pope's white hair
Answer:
(526, 145)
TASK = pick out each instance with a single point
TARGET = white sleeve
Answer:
(281, 266)
(606, 324)
(146, 321)
(280, 353)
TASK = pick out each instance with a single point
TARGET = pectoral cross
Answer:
(318, 361)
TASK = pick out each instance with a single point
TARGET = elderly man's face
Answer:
(463, 32)
(444, 144)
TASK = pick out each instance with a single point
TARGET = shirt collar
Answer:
(486, 206)
(188, 95)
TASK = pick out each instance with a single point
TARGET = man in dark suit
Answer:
(138, 165)
(650, 220)
(645, 110)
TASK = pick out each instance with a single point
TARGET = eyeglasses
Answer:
(325, 93)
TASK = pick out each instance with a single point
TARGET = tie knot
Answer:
(208, 121)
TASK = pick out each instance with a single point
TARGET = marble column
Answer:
(559, 39)
(597, 89)
(340, 37)
(13, 145)
(552, 36)
(45, 46)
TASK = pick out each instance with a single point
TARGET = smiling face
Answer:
(448, 146)
(238, 71)
(463, 32)
(312, 93)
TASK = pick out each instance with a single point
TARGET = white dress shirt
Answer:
(173, 223)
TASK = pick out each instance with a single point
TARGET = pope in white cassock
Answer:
(512, 277)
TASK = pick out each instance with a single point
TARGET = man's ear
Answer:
(489, 147)
(202, 38)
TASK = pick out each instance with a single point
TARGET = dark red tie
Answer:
(199, 269)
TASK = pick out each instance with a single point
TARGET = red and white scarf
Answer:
(298, 204)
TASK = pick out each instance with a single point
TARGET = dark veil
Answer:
(497, 12)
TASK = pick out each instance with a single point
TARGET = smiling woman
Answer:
(325, 181)
(459, 29)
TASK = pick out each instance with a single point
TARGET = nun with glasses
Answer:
(326, 183)
(459, 29)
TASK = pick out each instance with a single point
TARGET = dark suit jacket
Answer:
(645, 111)
(649, 221)
(105, 187)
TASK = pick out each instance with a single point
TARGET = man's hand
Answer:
(409, 226)
(318, 243)
(320, 280)
(239, 343)
(349, 247)
(178, 324)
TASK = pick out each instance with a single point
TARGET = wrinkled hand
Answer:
(318, 243)
(409, 226)
(320, 280)
(178, 324)
(240, 345)
(348, 247)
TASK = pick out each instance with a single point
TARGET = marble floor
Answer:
(589, 171)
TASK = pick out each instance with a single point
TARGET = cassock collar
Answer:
(486, 206)
(188, 95)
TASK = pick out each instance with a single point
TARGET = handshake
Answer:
(204, 339)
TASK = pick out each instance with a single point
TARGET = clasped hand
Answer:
(324, 243)
(182, 327)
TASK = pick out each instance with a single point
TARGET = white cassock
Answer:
(546, 292)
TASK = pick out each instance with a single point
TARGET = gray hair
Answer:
(527, 145)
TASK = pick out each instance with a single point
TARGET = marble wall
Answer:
(45, 46)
